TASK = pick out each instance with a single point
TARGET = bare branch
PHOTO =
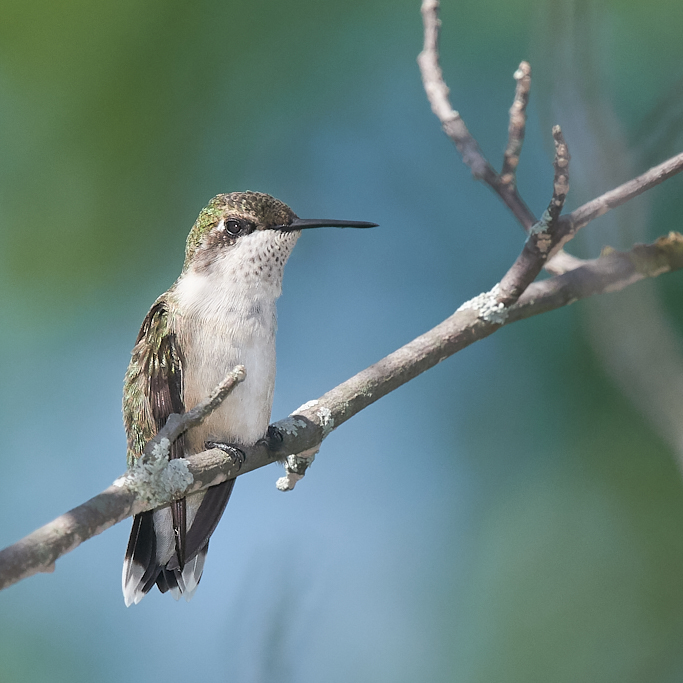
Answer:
(437, 93)
(517, 126)
(561, 180)
(304, 430)
(537, 247)
(541, 247)
(613, 271)
(177, 424)
(38, 551)
(570, 224)
(452, 123)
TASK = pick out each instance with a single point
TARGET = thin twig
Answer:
(38, 551)
(517, 126)
(309, 425)
(611, 272)
(561, 180)
(570, 224)
(437, 93)
(537, 247)
(178, 424)
(452, 123)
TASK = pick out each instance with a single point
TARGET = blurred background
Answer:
(515, 514)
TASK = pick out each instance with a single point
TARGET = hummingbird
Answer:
(218, 314)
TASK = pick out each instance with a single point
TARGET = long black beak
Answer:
(305, 223)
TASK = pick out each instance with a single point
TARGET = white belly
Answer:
(213, 348)
(228, 318)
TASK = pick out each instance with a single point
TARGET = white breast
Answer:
(227, 317)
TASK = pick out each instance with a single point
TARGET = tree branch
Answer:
(178, 424)
(453, 125)
(298, 437)
(305, 429)
(128, 495)
(517, 126)
(537, 247)
(570, 224)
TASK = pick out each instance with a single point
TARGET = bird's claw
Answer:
(273, 439)
(235, 453)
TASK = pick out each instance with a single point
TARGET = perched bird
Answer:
(219, 313)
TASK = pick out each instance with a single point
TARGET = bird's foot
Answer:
(235, 453)
(273, 439)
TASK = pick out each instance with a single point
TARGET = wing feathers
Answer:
(207, 517)
(154, 387)
(165, 395)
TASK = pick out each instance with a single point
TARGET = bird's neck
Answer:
(238, 280)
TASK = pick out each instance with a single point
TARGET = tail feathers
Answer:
(141, 570)
(140, 563)
(183, 583)
(151, 556)
(204, 520)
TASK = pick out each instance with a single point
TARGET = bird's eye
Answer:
(234, 227)
(237, 226)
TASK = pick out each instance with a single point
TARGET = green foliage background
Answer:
(510, 516)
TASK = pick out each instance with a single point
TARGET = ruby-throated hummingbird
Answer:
(219, 313)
